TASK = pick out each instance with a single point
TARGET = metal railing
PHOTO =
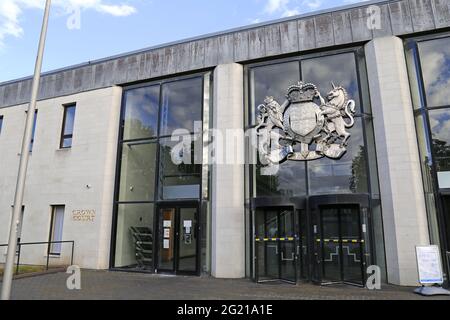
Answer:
(49, 253)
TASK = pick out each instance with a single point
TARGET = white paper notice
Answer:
(166, 233)
(429, 265)
(167, 223)
(187, 223)
(166, 244)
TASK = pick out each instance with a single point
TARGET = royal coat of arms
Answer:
(306, 126)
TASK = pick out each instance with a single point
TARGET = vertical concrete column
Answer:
(109, 176)
(228, 194)
(402, 196)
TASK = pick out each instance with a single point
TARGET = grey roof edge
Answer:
(360, 4)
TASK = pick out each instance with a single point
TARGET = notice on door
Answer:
(429, 265)
(166, 233)
(167, 223)
(166, 244)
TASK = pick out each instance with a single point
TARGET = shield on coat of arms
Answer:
(303, 119)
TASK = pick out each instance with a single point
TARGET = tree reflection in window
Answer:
(141, 113)
(325, 176)
(440, 129)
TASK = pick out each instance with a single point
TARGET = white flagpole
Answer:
(24, 156)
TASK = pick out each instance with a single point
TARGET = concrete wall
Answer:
(307, 32)
(228, 194)
(60, 176)
(401, 188)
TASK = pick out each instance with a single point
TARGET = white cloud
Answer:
(288, 8)
(290, 12)
(273, 6)
(313, 4)
(117, 10)
(12, 10)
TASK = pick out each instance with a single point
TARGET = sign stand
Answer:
(430, 271)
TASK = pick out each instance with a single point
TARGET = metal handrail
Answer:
(48, 243)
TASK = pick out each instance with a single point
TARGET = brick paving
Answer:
(107, 285)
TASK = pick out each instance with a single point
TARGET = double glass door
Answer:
(339, 245)
(325, 246)
(275, 245)
(178, 232)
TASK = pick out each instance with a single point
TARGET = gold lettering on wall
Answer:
(83, 215)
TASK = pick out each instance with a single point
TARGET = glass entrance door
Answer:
(178, 239)
(275, 245)
(341, 245)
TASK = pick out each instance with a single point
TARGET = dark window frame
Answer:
(365, 114)
(1, 123)
(157, 201)
(65, 136)
(423, 111)
(52, 228)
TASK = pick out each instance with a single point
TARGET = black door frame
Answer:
(316, 203)
(280, 277)
(342, 279)
(311, 206)
(177, 206)
(297, 204)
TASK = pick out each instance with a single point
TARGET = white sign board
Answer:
(167, 223)
(429, 265)
(166, 233)
(187, 223)
(166, 244)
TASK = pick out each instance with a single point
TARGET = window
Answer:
(323, 176)
(34, 130)
(149, 171)
(56, 229)
(1, 123)
(67, 128)
(182, 103)
(137, 174)
(141, 113)
(134, 246)
(179, 181)
(435, 62)
(429, 75)
(440, 135)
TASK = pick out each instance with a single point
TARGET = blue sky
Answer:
(84, 30)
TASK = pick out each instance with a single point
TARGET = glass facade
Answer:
(428, 62)
(295, 182)
(350, 174)
(154, 172)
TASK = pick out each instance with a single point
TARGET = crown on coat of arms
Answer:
(301, 92)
